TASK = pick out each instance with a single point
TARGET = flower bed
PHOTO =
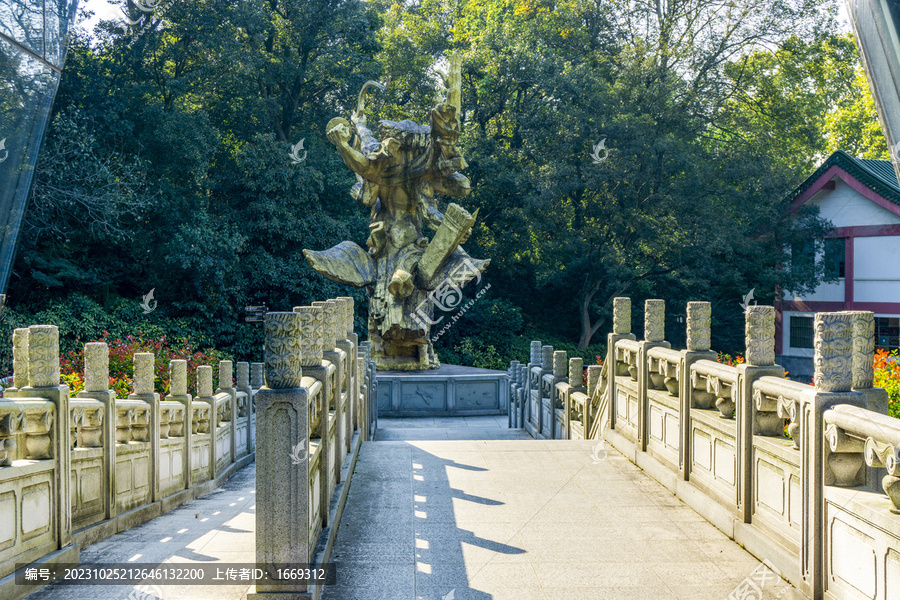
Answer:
(121, 366)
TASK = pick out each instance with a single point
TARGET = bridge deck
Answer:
(465, 509)
(498, 519)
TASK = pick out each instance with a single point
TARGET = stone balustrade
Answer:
(806, 477)
(316, 408)
(76, 469)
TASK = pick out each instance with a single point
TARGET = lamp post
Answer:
(32, 55)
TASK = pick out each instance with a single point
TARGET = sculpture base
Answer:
(445, 392)
(394, 355)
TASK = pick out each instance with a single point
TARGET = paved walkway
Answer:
(218, 527)
(464, 509)
(504, 519)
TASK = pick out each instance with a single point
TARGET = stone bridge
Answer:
(662, 474)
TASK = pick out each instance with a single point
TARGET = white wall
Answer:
(825, 292)
(845, 207)
(876, 269)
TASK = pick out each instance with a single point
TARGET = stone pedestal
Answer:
(445, 392)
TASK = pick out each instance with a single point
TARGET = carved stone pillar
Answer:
(43, 356)
(759, 340)
(282, 351)
(351, 341)
(654, 336)
(534, 360)
(282, 454)
(535, 357)
(538, 389)
(178, 378)
(229, 409)
(593, 378)
(338, 357)
(314, 342)
(512, 384)
(96, 387)
(833, 358)
(43, 382)
(760, 335)
(20, 360)
(143, 373)
(551, 394)
(205, 409)
(178, 392)
(576, 372)
(699, 318)
(621, 315)
(621, 330)
(819, 467)
(346, 340)
(205, 379)
(243, 385)
(257, 375)
(96, 367)
(147, 429)
(655, 320)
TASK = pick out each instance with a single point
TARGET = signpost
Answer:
(256, 314)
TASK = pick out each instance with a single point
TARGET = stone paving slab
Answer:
(218, 527)
(437, 518)
(498, 519)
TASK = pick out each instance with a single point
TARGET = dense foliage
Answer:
(167, 166)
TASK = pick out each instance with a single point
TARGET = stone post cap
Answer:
(43, 356)
(576, 371)
(257, 377)
(349, 312)
(96, 367)
(243, 374)
(621, 315)
(282, 350)
(560, 361)
(863, 348)
(20, 357)
(547, 358)
(178, 377)
(226, 375)
(312, 334)
(335, 319)
(833, 352)
(143, 373)
(204, 381)
(535, 353)
(699, 319)
(655, 320)
(330, 319)
(760, 335)
(593, 378)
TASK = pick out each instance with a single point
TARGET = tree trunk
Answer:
(585, 340)
(587, 329)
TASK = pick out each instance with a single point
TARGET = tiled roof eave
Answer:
(858, 171)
